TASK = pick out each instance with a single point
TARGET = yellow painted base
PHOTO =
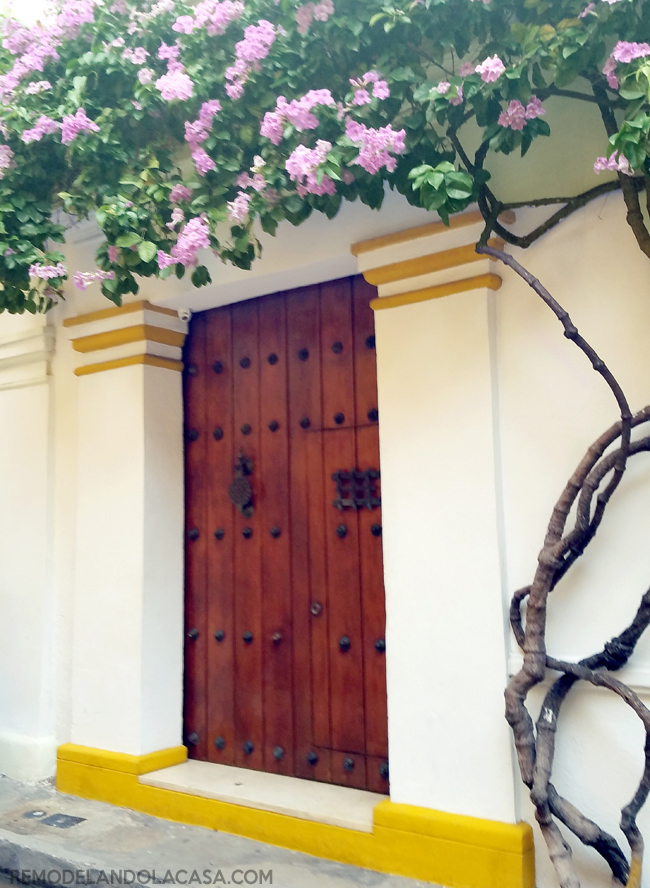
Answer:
(452, 850)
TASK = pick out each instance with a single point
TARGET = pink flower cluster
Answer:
(619, 164)
(39, 43)
(6, 155)
(376, 145)
(258, 182)
(138, 55)
(47, 272)
(298, 113)
(302, 165)
(491, 69)
(169, 52)
(37, 87)
(73, 124)
(176, 83)
(379, 88)
(113, 253)
(180, 192)
(197, 132)
(178, 216)
(211, 14)
(145, 75)
(194, 237)
(83, 279)
(319, 11)
(45, 126)
(625, 53)
(238, 208)
(516, 115)
(255, 46)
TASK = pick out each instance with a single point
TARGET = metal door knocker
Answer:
(240, 491)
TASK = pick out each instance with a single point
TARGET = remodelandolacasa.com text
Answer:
(141, 877)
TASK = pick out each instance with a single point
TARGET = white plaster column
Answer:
(27, 743)
(128, 620)
(449, 744)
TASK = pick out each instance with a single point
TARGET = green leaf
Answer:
(128, 240)
(147, 250)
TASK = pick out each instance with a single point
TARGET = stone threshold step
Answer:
(304, 799)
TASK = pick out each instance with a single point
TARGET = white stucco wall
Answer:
(27, 742)
(552, 406)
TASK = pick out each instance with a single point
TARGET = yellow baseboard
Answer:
(448, 849)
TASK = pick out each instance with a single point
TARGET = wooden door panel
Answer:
(349, 769)
(373, 609)
(344, 603)
(249, 729)
(303, 357)
(365, 361)
(195, 547)
(287, 673)
(319, 602)
(337, 354)
(273, 486)
(220, 636)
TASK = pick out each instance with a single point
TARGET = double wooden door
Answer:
(285, 649)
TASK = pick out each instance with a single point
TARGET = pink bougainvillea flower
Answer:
(180, 192)
(73, 124)
(175, 84)
(302, 165)
(626, 52)
(46, 272)
(619, 164)
(113, 253)
(238, 208)
(377, 146)
(491, 69)
(44, 126)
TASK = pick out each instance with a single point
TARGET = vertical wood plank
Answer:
(195, 677)
(249, 726)
(219, 538)
(317, 485)
(303, 348)
(344, 594)
(338, 365)
(276, 539)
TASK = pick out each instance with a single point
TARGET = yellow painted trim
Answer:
(140, 305)
(127, 335)
(398, 271)
(491, 281)
(122, 761)
(402, 237)
(149, 360)
(448, 849)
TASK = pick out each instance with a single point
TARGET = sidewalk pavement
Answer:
(56, 839)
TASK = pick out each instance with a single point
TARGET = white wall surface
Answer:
(27, 742)
(446, 640)
(128, 619)
(552, 407)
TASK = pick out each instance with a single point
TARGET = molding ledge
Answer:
(25, 358)
(136, 333)
(428, 262)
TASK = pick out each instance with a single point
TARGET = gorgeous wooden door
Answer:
(285, 651)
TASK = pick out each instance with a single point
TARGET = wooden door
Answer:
(285, 650)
